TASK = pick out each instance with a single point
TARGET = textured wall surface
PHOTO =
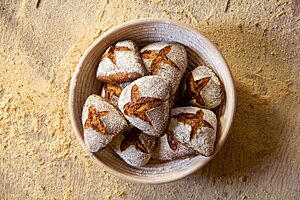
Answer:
(41, 45)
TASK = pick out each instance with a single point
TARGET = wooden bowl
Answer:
(200, 51)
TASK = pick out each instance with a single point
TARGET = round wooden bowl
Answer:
(200, 51)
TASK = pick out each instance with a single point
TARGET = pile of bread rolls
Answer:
(137, 114)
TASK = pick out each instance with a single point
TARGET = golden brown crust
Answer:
(158, 58)
(173, 143)
(132, 138)
(139, 105)
(94, 121)
(111, 53)
(196, 121)
(112, 89)
(119, 77)
(195, 87)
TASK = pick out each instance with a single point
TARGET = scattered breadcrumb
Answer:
(40, 48)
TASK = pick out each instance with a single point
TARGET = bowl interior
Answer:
(200, 51)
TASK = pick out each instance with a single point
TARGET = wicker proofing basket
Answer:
(200, 51)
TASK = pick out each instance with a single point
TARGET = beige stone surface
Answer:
(40, 47)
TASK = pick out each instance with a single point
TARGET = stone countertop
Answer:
(40, 45)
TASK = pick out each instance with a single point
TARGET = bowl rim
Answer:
(144, 179)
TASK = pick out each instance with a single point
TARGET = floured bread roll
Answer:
(194, 127)
(134, 147)
(168, 60)
(101, 122)
(203, 88)
(168, 148)
(112, 91)
(121, 63)
(145, 104)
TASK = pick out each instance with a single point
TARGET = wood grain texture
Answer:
(39, 49)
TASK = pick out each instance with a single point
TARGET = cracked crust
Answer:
(112, 91)
(145, 103)
(134, 147)
(203, 88)
(94, 121)
(121, 63)
(140, 105)
(194, 127)
(101, 122)
(168, 148)
(168, 60)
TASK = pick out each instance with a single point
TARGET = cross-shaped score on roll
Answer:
(139, 105)
(132, 138)
(94, 121)
(158, 58)
(196, 121)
